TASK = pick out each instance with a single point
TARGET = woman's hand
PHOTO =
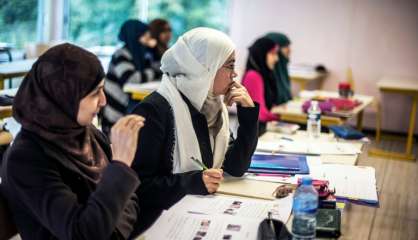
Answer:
(238, 94)
(212, 178)
(124, 138)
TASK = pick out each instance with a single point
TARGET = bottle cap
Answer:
(306, 181)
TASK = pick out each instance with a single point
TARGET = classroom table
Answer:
(407, 87)
(19, 68)
(292, 110)
(139, 91)
(305, 74)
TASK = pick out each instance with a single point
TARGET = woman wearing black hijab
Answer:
(58, 176)
(259, 78)
(281, 74)
(128, 65)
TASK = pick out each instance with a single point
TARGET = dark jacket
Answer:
(160, 188)
(51, 201)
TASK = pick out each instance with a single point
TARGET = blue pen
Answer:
(287, 139)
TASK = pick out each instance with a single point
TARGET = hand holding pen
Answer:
(212, 177)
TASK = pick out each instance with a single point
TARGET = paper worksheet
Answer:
(173, 225)
(352, 182)
(235, 206)
(308, 147)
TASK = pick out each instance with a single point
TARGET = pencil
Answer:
(199, 163)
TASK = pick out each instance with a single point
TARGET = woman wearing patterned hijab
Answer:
(187, 122)
(58, 176)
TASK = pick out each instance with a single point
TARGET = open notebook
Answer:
(356, 183)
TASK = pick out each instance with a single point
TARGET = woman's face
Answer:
(224, 76)
(286, 51)
(165, 36)
(271, 59)
(147, 40)
(91, 104)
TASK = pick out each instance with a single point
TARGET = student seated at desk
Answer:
(281, 74)
(59, 176)
(259, 79)
(186, 120)
(128, 65)
(161, 31)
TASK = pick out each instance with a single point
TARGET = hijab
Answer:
(189, 68)
(280, 69)
(156, 27)
(130, 33)
(47, 103)
(257, 61)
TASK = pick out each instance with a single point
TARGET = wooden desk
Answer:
(408, 87)
(292, 111)
(21, 67)
(305, 74)
(325, 137)
(139, 91)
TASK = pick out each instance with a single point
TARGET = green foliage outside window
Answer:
(18, 21)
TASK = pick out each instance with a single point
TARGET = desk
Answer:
(292, 111)
(305, 74)
(21, 67)
(5, 48)
(139, 91)
(408, 87)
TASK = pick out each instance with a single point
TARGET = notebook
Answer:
(248, 188)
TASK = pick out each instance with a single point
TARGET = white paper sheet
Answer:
(308, 147)
(184, 226)
(235, 206)
(353, 182)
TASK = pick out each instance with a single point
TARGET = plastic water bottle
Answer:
(305, 205)
(314, 120)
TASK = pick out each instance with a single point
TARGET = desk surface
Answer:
(21, 67)
(398, 84)
(325, 137)
(293, 109)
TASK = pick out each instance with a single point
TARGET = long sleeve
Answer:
(255, 87)
(238, 156)
(160, 188)
(36, 181)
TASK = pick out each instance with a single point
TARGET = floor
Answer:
(397, 216)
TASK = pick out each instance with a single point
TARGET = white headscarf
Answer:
(190, 67)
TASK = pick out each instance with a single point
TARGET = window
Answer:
(184, 15)
(97, 22)
(18, 19)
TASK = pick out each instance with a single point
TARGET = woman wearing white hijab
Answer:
(186, 120)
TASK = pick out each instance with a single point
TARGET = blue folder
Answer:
(279, 164)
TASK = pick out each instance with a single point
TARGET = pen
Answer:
(199, 163)
(287, 139)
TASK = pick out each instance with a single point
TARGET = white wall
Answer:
(374, 37)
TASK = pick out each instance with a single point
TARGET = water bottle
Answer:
(314, 120)
(305, 204)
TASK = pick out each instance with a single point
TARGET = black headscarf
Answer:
(47, 104)
(281, 74)
(257, 61)
(130, 33)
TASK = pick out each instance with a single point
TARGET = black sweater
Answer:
(160, 188)
(50, 201)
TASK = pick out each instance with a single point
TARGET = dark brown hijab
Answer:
(47, 105)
